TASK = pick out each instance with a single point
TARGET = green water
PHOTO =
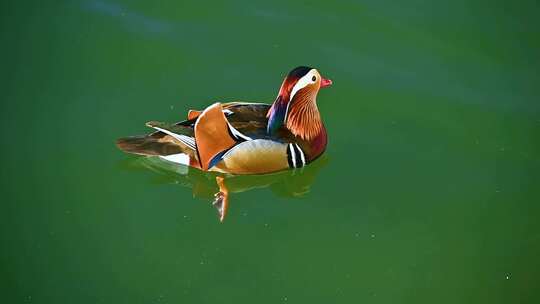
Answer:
(429, 191)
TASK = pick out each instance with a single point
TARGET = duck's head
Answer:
(296, 104)
(304, 80)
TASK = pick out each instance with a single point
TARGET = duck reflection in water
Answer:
(218, 188)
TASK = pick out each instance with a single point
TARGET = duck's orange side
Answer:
(212, 134)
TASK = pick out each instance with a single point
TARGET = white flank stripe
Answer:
(293, 155)
(188, 141)
(180, 158)
(237, 133)
(301, 155)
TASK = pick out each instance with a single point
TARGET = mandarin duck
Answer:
(243, 137)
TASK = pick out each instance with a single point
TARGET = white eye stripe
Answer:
(300, 84)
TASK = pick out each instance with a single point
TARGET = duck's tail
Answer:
(147, 145)
(168, 140)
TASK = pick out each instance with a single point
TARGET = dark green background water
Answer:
(429, 192)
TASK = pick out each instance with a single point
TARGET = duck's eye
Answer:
(313, 78)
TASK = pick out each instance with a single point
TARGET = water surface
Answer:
(428, 193)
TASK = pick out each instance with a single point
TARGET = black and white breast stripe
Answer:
(295, 156)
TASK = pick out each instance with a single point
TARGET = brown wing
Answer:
(248, 118)
(245, 117)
